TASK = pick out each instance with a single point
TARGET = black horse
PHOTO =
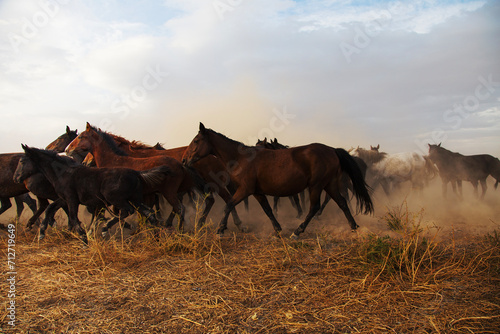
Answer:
(122, 188)
(455, 168)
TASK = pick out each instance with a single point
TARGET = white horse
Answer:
(390, 170)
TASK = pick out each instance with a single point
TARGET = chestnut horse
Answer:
(284, 172)
(107, 154)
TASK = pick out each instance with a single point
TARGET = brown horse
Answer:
(284, 172)
(209, 168)
(107, 154)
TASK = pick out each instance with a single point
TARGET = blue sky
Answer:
(344, 73)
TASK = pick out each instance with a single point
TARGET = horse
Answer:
(8, 188)
(390, 170)
(107, 154)
(210, 168)
(122, 188)
(454, 167)
(284, 172)
(294, 199)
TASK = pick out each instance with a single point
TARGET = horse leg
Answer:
(5, 204)
(226, 197)
(209, 203)
(323, 206)
(43, 203)
(177, 209)
(262, 199)
(475, 186)
(342, 203)
(238, 196)
(109, 224)
(275, 205)
(484, 186)
(459, 185)
(75, 223)
(315, 204)
(50, 212)
(296, 204)
(20, 200)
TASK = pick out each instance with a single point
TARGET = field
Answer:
(419, 265)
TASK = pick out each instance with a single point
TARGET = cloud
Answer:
(233, 66)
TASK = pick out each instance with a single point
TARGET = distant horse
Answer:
(390, 170)
(455, 167)
(294, 199)
(8, 188)
(281, 173)
(107, 154)
(210, 168)
(76, 184)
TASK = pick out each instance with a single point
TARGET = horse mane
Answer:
(227, 138)
(109, 139)
(63, 159)
(371, 156)
(446, 152)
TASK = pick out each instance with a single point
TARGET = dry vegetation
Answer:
(407, 278)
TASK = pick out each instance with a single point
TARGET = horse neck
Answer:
(371, 157)
(51, 168)
(102, 151)
(226, 149)
(59, 144)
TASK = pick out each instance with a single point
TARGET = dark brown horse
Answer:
(107, 154)
(209, 168)
(455, 168)
(122, 188)
(285, 172)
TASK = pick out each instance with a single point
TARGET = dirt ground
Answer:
(440, 275)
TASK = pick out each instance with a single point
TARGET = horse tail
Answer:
(495, 171)
(155, 176)
(351, 167)
(198, 181)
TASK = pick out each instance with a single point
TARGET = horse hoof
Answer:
(243, 229)
(294, 236)
(41, 236)
(104, 234)
(219, 235)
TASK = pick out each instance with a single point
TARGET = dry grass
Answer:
(155, 282)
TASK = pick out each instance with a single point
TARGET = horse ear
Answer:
(88, 127)
(439, 145)
(378, 146)
(67, 130)
(202, 128)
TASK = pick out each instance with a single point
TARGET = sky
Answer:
(401, 74)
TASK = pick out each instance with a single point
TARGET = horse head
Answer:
(199, 147)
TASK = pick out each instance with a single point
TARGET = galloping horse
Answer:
(281, 173)
(390, 170)
(455, 167)
(107, 154)
(76, 184)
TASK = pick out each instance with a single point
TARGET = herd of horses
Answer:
(108, 173)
